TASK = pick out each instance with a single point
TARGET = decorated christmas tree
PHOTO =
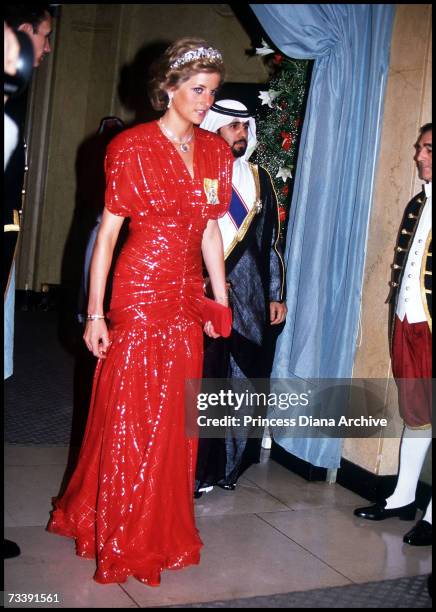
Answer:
(279, 124)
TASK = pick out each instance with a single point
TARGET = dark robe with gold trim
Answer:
(255, 270)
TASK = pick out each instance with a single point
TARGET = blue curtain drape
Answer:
(334, 180)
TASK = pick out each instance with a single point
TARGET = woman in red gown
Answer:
(129, 503)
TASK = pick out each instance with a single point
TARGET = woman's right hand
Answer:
(96, 337)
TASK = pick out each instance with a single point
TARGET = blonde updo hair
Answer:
(163, 77)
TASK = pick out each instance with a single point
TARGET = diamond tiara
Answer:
(196, 54)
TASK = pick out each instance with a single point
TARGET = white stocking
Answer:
(427, 515)
(414, 447)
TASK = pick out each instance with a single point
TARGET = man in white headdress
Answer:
(255, 272)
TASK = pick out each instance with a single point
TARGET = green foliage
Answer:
(279, 125)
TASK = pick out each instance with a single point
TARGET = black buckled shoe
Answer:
(420, 535)
(377, 512)
(10, 549)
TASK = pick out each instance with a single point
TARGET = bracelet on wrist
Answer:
(94, 317)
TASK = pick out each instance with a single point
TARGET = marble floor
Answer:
(275, 533)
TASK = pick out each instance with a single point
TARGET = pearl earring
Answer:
(170, 100)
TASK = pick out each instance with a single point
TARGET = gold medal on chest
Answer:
(211, 190)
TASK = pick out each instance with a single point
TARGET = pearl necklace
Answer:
(183, 144)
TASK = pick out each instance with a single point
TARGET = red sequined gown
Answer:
(129, 503)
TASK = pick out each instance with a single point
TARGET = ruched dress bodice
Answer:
(158, 276)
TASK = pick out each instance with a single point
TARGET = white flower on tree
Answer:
(284, 174)
(264, 49)
(268, 97)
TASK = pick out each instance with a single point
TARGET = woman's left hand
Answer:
(209, 330)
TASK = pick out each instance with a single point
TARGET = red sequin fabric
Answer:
(129, 503)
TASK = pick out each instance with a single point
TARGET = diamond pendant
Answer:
(184, 147)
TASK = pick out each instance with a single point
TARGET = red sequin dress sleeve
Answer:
(129, 503)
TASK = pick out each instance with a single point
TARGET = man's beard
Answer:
(239, 151)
